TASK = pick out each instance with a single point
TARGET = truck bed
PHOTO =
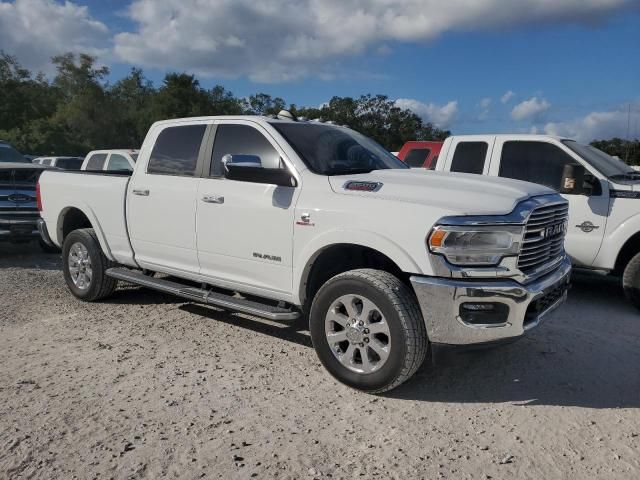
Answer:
(100, 196)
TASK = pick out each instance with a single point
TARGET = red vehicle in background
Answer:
(420, 154)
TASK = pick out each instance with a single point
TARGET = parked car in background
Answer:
(603, 193)
(18, 207)
(110, 160)
(420, 154)
(285, 219)
(10, 154)
(64, 163)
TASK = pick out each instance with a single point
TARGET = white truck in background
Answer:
(603, 193)
(281, 218)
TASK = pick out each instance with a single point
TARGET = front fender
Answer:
(615, 240)
(374, 240)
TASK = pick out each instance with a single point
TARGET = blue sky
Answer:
(572, 66)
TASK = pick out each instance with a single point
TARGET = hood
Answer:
(465, 194)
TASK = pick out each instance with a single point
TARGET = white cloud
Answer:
(532, 108)
(485, 103)
(508, 95)
(440, 116)
(281, 40)
(599, 125)
(36, 30)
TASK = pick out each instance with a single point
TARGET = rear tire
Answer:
(84, 266)
(631, 281)
(368, 331)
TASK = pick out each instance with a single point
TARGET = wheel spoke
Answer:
(380, 349)
(336, 337)
(339, 318)
(350, 306)
(366, 363)
(367, 309)
(379, 327)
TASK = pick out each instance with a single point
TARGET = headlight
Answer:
(475, 245)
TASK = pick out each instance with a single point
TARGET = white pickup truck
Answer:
(281, 218)
(603, 192)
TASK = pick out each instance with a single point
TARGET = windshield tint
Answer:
(332, 150)
(605, 164)
(10, 154)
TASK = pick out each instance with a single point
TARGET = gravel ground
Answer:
(146, 386)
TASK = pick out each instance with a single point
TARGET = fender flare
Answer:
(88, 212)
(373, 240)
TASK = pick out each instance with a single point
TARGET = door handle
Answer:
(140, 191)
(213, 199)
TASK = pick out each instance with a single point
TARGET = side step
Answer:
(194, 294)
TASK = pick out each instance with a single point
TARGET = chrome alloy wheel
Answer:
(358, 334)
(80, 266)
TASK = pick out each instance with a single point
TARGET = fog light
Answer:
(484, 313)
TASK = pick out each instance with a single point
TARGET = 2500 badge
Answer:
(264, 256)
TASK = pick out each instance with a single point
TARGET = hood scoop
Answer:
(360, 186)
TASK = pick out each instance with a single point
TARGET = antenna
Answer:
(626, 154)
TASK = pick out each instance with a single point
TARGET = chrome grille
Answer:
(542, 243)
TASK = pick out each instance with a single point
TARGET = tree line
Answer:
(78, 110)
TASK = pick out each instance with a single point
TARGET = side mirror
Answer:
(573, 179)
(248, 168)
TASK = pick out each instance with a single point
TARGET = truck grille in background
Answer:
(544, 237)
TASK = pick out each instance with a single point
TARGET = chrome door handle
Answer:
(213, 199)
(141, 192)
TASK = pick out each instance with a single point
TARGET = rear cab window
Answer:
(176, 151)
(118, 162)
(416, 157)
(469, 157)
(96, 161)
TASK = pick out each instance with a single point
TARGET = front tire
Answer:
(368, 331)
(631, 281)
(84, 266)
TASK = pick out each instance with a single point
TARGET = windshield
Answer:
(10, 154)
(332, 150)
(605, 164)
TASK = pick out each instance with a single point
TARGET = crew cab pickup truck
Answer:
(603, 193)
(283, 219)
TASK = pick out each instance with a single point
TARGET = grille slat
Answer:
(537, 248)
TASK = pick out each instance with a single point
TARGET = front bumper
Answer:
(18, 230)
(528, 305)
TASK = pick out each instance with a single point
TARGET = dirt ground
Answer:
(146, 386)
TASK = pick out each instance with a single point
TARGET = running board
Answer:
(194, 294)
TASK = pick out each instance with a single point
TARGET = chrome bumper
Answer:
(44, 233)
(441, 299)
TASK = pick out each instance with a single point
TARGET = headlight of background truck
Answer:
(475, 245)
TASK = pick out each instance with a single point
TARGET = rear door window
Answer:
(96, 161)
(469, 157)
(416, 157)
(242, 140)
(176, 151)
(536, 162)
